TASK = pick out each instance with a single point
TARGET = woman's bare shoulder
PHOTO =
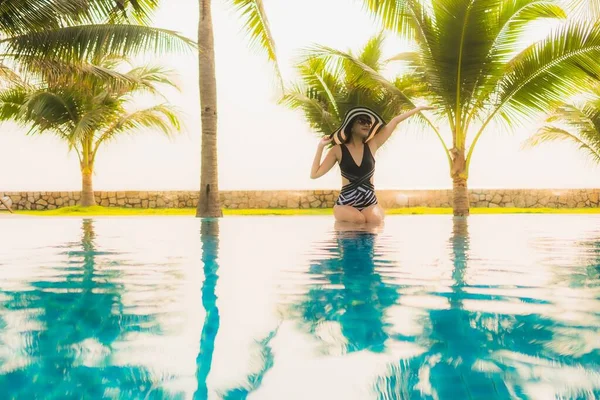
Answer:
(337, 150)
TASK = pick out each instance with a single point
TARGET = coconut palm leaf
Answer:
(512, 20)
(584, 9)
(531, 84)
(375, 79)
(577, 123)
(256, 24)
(8, 76)
(86, 42)
(11, 103)
(396, 16)
(372, 52)
(162, 117)
(47, 110)
(61, 73)
(552, 133)
(319, 118)
(22, 16)
(317, 77)
(544, 74)
(150, 79)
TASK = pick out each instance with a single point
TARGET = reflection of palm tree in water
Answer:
(453, 340)
(461, 360)
(452, 336)
(356, 299)
(209, 235)
(80, 317)
(355, 295)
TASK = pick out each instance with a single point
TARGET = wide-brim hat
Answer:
(339, 135)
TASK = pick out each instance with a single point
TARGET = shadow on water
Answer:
(72, 319)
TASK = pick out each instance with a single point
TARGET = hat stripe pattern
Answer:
(339, 136)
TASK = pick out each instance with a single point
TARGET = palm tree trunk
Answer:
(460, 192)
(87, 190)
(209, 204)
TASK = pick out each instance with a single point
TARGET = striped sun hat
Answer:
(339, 136)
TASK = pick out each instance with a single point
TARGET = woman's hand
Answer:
(422, 108)
(319, 169)
(325, 141)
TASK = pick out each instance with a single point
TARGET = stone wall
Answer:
(553, 198)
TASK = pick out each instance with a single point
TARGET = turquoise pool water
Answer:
(429, 307)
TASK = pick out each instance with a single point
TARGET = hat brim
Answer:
(339, 136)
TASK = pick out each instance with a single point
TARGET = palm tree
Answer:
(329, 88)
(476, 70)
(577, 123)
(91, 112)
(257, 25)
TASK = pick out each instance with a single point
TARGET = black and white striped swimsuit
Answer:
(360, 192)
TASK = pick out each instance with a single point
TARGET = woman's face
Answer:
(362, 126)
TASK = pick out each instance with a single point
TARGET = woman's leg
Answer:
(373, 214)
(348, 214)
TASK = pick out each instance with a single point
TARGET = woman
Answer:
(357, 140)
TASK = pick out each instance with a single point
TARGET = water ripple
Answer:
(426, 307)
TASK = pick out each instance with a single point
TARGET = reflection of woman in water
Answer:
(355, 296)
(359, 137)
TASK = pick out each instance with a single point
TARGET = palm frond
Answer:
(545, 74)
(414, 87)
(92, 121)
(434, 55)
(319, 118)
(47, 110)
(589, 9)
(136, 11)
(256, 24)
(85, 42)
(584, 118)
(512, 20)
(321, 83)
(372, 52)
(551, 133)
(8, 76)
(22, 16)
(412, 58)
(162, 117)
(11, 103)
(395, 15)
(149, 78)
(375, 81)
(60, 73)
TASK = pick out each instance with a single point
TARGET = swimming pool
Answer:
(489, 307)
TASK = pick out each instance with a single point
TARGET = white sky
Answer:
(263, 145)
